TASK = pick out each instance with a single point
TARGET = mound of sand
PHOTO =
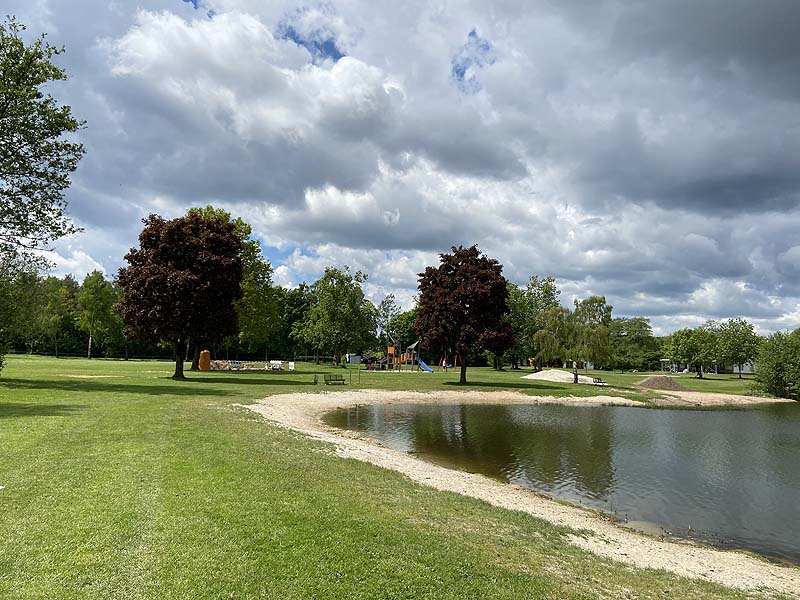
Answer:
(558, 376)
(661, 382)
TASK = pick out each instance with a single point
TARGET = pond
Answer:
(726, 477)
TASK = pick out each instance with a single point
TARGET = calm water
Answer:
(730, 478)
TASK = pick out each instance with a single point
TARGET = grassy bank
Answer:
(120, 483)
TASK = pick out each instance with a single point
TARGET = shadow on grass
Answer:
(88, 387)
(233, 380)
(10, 410)
(191, 386)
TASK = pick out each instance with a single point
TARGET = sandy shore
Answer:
(705, 399)
(302, 413)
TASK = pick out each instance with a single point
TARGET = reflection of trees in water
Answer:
(568, 445)
(563, 445)
(469, 437)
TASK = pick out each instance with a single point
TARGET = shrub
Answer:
(778, 372)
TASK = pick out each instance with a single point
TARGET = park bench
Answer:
(334, 378)
(598, 381)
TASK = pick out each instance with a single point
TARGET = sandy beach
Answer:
(303, 412)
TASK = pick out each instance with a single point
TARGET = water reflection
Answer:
(728, 477)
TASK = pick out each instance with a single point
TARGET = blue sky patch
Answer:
(319, 41)
(475, 54)
(198, 4)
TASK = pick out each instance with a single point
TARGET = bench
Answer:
(598, 381)
(333, 378)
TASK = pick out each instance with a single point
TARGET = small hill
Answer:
(661, 382)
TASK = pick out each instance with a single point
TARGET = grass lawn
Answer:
(121, 483)
(721, 384)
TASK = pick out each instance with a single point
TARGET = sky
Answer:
(647, 151)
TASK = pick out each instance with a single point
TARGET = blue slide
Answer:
(425, 367)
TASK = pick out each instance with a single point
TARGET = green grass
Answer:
(128, 485)
(721, 384)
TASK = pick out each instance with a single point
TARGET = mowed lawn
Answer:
(119, 483)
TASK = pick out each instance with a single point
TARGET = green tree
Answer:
(95, 307)
(26, 306)
(58, 310)
(556, 337)
(632, 342)
(542, 295)
(738, 343)
(517, 318)
(401, 327)
(292, 306)
(778, 372)
(36, 159)
(462, 304)
(528, 310)
(387, 310)
(592, 320)
(182, 282)
(693, 347)
(340, 318)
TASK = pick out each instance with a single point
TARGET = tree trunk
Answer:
(56, 343)
(195, 358)
(700, 372)
(462, 380)
(575, 373)
(740, 371)
(180, 351)
(91, 328)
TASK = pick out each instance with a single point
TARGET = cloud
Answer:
(648, 151)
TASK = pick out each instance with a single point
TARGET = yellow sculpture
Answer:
(204, 363)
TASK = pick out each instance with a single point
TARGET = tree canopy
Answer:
(694, 347)
(182, 282)
(778, 372)
(632, 343)
(96, 300)
(401, 327)
(340, 318)
(36, 159)
(257, 309)
(738, 343)
(462, 303)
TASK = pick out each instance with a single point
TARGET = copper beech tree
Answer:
(182, 282)
(462, 303)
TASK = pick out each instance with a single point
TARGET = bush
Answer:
(778, 371)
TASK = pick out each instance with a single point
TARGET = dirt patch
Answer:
(302, 413)
(662, 382)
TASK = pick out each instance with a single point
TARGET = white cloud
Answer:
(645, 170)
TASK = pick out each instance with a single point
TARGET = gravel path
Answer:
(302, 412)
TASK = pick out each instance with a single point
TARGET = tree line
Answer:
(200, 281)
